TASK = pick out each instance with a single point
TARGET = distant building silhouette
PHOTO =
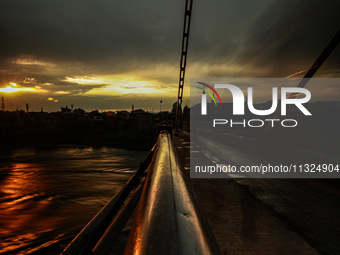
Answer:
(79, 111)
(66, 110)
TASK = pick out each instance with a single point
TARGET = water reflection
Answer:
(47, 197)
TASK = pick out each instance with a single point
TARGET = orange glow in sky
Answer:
(117, 85)
(13, 87)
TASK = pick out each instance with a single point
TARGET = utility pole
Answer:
(2, 104)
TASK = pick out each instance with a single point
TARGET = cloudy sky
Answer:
(110, 54)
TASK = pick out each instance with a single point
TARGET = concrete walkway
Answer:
(241, 222)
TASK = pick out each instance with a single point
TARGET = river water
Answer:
(46, 197)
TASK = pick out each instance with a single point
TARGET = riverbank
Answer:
(45, 131)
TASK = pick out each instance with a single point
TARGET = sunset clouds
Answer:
(111, 54)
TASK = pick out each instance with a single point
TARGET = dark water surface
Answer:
(46, 197)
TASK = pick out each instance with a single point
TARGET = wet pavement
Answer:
(268, 216)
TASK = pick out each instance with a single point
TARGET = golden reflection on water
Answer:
(20, 205)
(47, 197)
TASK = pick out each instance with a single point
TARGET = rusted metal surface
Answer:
(167, 219)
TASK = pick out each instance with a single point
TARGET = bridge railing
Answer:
(168, 219)
(111, 213)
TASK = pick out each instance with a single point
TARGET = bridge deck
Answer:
(242, 222)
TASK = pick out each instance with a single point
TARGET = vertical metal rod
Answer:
(183, 61)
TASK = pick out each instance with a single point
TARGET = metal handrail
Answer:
(168, 220)
(94, 230)
(107, 241)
